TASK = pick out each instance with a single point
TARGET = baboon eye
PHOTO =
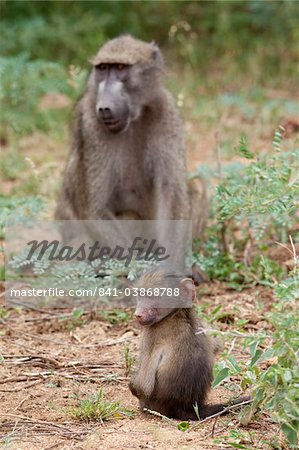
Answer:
(120, 66)
(102, 66)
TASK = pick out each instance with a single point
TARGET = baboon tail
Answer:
(221, 408)
(199, 204)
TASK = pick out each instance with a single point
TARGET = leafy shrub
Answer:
(254, 205)
(275, 388)
(18, 210)
(264, 195)
(104, 274)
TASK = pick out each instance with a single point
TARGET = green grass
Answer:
(129, 359)
(75, 321)
(96, 408)
(116, 316)
(3, 312)
(12, 164)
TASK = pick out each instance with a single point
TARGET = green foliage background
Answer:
(210, 30)
(40, 41)
(45, 46)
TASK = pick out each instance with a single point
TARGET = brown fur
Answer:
(175, 365)
(124, 50)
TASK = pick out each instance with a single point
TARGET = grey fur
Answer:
(140, 172)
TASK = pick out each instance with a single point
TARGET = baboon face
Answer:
(113, 106)
(125, 78)
(149, 309)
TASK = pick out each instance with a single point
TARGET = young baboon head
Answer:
(160, 294)
(125, 76)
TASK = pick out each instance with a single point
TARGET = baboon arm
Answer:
(170, 183)
(145, 378)
(171, 191)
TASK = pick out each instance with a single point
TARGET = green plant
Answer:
(237, 438)
(80, 275)
(275, 388)
(129, 359)
(97, 408)
(16, 210)
(12, 164)
(262, 199)
(253, 206)
(3, 312)
(237, 274)
(76, 320)
(116, 316)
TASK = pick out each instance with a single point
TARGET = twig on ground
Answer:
(42, 427)
(227, 333)
(13, 304)
(104, 343)
(157, 414)
(71, 376)
(27, 386)
(214, 426)
(24, 399)
(38, 360)
(232, 346)
(221, 413)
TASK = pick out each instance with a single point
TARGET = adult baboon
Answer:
(127, 157)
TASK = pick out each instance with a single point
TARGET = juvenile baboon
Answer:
(175, 366)
(127, 156)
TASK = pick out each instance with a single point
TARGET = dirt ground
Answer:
(49, 361)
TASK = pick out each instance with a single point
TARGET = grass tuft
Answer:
(97, 408)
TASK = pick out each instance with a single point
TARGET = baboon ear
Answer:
(187, 286)
(157, 56)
